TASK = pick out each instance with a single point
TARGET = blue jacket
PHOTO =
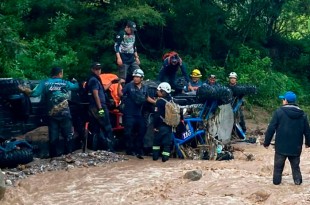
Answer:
(169, 70)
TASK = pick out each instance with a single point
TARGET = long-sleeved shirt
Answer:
(290, 124)
(168, 69)
(56, 92)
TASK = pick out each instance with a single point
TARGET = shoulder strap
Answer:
(164, 99)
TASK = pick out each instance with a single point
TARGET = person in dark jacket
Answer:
(163, 132)
(169, 69)
(211, 80)
(233, 85)
(134, 95)
(291, 125)
(98, 110)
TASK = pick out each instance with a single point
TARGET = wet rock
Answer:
(69, 167)
(2, 185)
(8, 182)
(194, 175)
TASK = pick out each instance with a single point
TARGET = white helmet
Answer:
(233, 75)
(165, 87)
(138, 72)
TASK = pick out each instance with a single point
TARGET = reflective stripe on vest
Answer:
(165, 154)
(156, 147)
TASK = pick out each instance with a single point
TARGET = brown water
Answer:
(147, 182)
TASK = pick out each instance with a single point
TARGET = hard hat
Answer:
(165, 87)
(196, 73)
(138, 73)
(233, 75)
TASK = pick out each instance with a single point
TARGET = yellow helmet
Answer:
(196, 73)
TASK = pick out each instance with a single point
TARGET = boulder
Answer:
(194, 175)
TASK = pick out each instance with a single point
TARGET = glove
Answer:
(115, 81)
(101, 112)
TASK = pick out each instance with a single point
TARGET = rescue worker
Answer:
(232, 84)
(56, 92)
(194, 82)
(162, 131)
(211, 80)
(98, 111)
(127, 58)
(169, 69)
(134, 95)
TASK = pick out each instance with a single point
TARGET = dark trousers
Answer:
(98, 124)
(134, 131)
(125, 71)
(64, 126)
(241, 118)
(171, 78)
(162, 138)
(279, 162)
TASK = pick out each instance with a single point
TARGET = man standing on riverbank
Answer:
(290, 124)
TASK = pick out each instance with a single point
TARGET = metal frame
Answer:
(199, 133)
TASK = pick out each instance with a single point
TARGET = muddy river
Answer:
(147, 182)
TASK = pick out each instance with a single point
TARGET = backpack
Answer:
(172, 114)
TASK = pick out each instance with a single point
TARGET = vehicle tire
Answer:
(216, 92)
(242, 90)
(16, 157)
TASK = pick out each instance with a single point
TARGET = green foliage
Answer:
(48, 51)
(266, 42)
(256, 70)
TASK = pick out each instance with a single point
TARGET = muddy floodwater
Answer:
(147, 182)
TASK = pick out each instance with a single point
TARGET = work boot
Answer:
(155, 155)
(298, 181)
(164, 158)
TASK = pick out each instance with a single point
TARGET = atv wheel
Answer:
(16, 157)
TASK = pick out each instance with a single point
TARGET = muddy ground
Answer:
(133, 181)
